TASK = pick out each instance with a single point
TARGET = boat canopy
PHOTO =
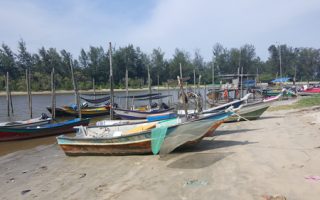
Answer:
(281, 80)
(96, 101)
(141, 96)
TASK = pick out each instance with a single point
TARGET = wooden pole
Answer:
(199, 84)
(194, 80)
(94, 87)
(213, 88)
(180, 71)
(53, 96)
(30, 96)
(28, 83)
(8, 95)
(168, 92)
(205, 96)
(127, 88)
(158, 82)
(241, 82)
(184, 96)
(11, 104)
(75, 87)
(149, 84)
(111, 81)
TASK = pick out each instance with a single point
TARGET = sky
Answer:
(189, 25)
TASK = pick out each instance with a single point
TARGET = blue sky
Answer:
(168, 24)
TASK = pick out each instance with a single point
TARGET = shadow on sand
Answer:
(196, 159)
(270, 117)
(227, 132)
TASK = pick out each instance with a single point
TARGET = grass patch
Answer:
(302, 103)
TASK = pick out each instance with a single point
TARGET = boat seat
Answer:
(140, 128)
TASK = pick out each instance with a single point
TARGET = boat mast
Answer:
(111, 81)
(53, 96)
(75, 88)
(149, 84)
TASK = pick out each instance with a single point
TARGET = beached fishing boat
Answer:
(139, 114)
(136, 139)
(150, 118)
(85, 112)
(271, 93)
(7, 134)
(253, 111)
(143, 111)
(234, 104)
(43, 119)
(250, 112)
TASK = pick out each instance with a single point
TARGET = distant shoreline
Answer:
(22, 93)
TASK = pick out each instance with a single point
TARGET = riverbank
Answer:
(275, 155)
(17, 93)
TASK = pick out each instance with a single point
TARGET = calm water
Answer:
(40, 102)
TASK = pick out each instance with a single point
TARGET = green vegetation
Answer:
(302, 103)
(94, 63)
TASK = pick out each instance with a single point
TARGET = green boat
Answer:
(272, 93)
(250, 111)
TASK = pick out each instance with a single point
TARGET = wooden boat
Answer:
(272, 93)
(234, 104)
(150, 118)
(7, 134)
(312, 90)
(250, 112)
(85, 112)
(253, 111)
(134, 139)
(139, 114)
(43, 119)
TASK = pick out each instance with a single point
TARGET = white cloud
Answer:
(169, 24)
(191, 24)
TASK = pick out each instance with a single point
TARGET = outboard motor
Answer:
(164, 106)
(84, 105)
(74, 106)
(44, 116)
(154, 105)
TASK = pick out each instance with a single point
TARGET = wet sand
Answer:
(248, 160)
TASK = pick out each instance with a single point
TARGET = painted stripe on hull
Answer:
(139, 143)
(33, 133)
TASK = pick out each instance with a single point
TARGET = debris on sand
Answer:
(196, 183)
(277, 197)
(83, 175)
(25, 191)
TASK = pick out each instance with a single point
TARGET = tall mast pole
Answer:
(149, 83)
(111, 81)
(280, 61)
(241, 90)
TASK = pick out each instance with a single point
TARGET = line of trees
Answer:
(303, 63)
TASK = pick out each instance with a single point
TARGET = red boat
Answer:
(312, 90)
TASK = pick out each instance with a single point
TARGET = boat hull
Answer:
(85, 112)
(22, 125)
(132, 114)
(250, 112)
(134, 144)
(9, 134)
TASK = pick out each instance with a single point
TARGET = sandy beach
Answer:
(275, 155)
